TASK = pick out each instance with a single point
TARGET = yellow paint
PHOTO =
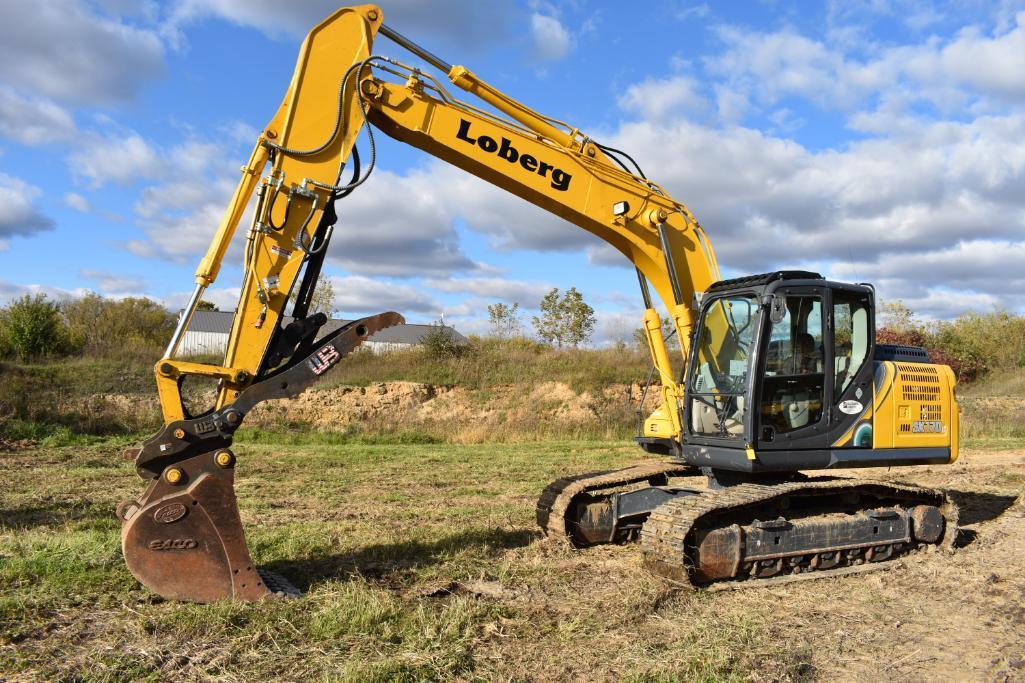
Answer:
(173, 475)
(910, 400)
(660, 425)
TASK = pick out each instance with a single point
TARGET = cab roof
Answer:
(764, 279)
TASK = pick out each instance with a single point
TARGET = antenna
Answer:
(850, 255)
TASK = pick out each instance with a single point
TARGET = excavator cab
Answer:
(780, 365)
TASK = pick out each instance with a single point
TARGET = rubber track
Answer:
(557, 497)
(666, 530)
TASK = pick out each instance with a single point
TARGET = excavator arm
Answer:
(183, 538)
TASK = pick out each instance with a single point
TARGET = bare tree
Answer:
(504, 320)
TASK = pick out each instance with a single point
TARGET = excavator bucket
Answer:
(183, 539)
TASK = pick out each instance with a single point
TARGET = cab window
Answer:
(851, 329)
(719, 378)
(792, 388)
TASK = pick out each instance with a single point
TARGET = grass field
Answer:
(422, 562)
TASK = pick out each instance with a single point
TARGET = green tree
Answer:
(32, 327)
(207, 306)
(897, 317)
(566, 320)
(323, 299)
(98, 325)
(504, 320)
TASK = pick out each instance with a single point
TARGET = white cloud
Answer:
(33, 121)
(551, 39)
(658, 99)
(62, 50)
(10, 290)
(991, 64)
(698, 11)
(114, 283)
(18, 214)
(122, 159)
(949, 74)
(414, 237)
(182, 237)
(767, 202)
(514, 291)
(358, 294)
(971, 265)
(77, 202)
(508, 221)
(467, 23)
(190, 185)
(147, 9)
(224, 298)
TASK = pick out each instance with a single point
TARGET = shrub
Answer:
(31, 327)
(988, 340)
(439, 343)
(100, 326)
(966, 367)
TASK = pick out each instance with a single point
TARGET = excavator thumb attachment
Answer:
(184, 540)
(183, 537)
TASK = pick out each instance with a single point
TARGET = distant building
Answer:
(209, 330)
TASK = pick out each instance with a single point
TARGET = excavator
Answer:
(778, 374)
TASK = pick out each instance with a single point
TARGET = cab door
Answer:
(853, 340)
(794, 380)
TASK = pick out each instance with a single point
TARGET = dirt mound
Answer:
(345, 405)
(455, 413)
(471, 413)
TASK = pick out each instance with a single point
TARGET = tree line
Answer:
(33, 326)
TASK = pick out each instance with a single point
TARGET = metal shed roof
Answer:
(220, 322)
(211, 321)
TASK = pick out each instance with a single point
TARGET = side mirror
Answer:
(777, 308)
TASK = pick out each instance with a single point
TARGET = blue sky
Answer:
(880, 141)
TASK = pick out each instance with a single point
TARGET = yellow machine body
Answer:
(340, 88)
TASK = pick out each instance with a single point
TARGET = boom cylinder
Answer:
(184, 321)
(468, 81)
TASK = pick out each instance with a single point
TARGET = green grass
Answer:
(489, 363)
(82, 376)
(1004, 382)
(369, 532)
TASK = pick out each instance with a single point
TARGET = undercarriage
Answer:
(749, 531)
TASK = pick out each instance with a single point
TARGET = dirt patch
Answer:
(16, 444)
(464, 415)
